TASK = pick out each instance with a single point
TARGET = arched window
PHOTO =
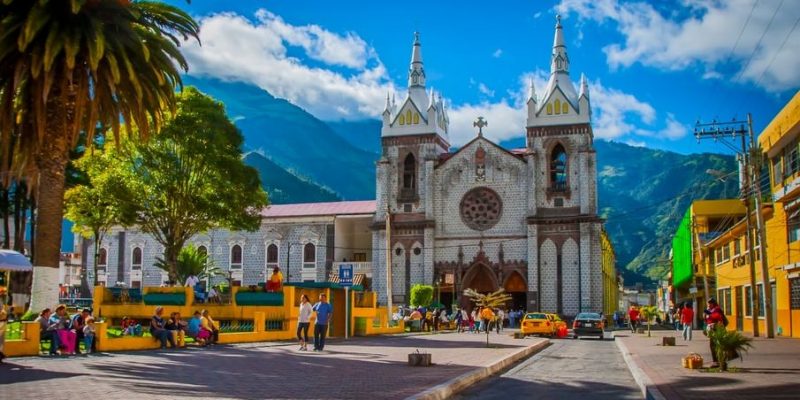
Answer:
(410, 172)
(236, 256)
(408, 116)
(272, 254)
(203, 250)
(401, 119)
(558, 168)
(136, 258)
(416, 119)
(102, 258)
(558, 106)
(549, 109)
(309, 253)
(565, 108)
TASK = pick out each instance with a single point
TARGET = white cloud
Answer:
(635, 143)
(703, 35)
(673, 130)
(497, 53)
(352, 82)
(485, 90)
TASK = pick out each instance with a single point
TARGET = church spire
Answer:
(584, 91)
(416, 73)
(559, 60)
(532, 92)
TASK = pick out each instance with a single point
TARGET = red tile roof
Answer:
(319, 209)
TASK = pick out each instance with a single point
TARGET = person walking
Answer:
(633, 318)
(501, 316)
(487, 315)
(473, 316)
(714, 320)
(686, 319)
(324, 312)
(303, 320)
(459, 321)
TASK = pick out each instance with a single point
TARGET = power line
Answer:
(758, 44)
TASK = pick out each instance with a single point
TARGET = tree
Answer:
(189, 177)
(492, 300)
(421, 295)
(192, 261)
(92, 207)
(66, 66)
(649, 313)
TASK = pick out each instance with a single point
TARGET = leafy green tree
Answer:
(66, 66)
(92, 206)
(421, 295)
(192, 261)
(649, 313)
(189, 178)
(492, 300)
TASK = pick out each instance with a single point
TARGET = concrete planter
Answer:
(419, 359)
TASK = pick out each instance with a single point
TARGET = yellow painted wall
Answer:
(609, 270)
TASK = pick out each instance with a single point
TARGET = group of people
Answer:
(324, 312)
(200, 295)
(65, 332)
(480, 319)
(682, 319)
(174, 330)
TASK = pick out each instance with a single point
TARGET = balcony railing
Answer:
(359, 267)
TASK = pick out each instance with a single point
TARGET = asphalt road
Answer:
(587, 368)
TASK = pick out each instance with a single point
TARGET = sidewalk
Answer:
(770, 370)
(373, 368)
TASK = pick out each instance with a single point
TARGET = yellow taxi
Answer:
(557, 322)
(537, 323)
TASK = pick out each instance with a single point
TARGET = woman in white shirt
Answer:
(303, 320)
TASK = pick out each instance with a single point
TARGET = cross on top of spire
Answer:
(480, 123)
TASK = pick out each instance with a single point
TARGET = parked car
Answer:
(588, 324)
(537, 323)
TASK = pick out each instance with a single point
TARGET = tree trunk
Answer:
(171, 257)
(6, 226)
(51, 161)
(21, 204)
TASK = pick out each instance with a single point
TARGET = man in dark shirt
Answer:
(324, 312)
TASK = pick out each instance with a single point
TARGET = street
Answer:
(567, 369)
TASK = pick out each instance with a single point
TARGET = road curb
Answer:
(461, 382)
(649, 389)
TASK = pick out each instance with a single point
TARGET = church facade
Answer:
(481, 217)
(485, 217)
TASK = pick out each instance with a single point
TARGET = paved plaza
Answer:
(354, 369)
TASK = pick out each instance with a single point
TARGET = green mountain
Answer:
(643, 192)
(283, 186)
(294, 139)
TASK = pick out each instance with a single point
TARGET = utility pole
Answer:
(756, 157)
(719, 131)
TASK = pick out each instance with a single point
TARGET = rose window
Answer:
(481, 208)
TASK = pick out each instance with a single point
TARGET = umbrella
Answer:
(11, 260)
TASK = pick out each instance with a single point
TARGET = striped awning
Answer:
(358, 279)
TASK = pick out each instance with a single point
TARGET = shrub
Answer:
(421, 295)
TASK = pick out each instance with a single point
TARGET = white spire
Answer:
(584, 87)
(559, 60)
(532, 92)
(416, 73)
(388, 107)
(431, 100)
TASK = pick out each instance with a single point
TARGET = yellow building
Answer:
(610, 282)
(780, 142)
(729, 258)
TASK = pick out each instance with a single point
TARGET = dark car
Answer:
(588, 324)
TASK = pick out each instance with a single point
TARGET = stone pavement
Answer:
(770, 370)
(568, 369)
(372, 368)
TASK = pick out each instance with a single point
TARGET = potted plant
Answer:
(649, 313)
(728, 345)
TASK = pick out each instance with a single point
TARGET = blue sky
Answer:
(653, 69)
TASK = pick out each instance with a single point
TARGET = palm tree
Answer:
(67, 66)
(191, 261)
(649, 313)
(492, 300)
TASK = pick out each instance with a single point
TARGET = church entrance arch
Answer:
(480, 278)
(516, 286)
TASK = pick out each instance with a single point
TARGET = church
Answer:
(481, 217)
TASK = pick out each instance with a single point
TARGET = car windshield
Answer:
(535, 316)
(588, 316)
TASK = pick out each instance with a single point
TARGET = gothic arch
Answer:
(558, 166)
(481, 278)
(548, 259)
(515, 283)
(569, 276)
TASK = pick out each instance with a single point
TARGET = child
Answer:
(88, 334)
(131, 327)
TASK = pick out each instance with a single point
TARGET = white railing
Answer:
(359, 267)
